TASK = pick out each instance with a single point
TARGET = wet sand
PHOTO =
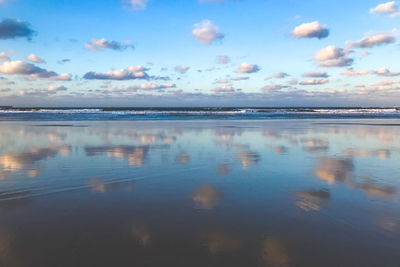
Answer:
(202, 193)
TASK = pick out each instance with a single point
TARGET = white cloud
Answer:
(13, 28)
(182, 69)
(380, 72)
(281, 75)
(374, 40)
(273, 88)
(51, 90)
(130, 73)
(35, 58)
(386, 72)
(321, 74)
(137, 4)
(33, 72)
(311, 30)
(314, 82)
(224, 89)
(389, 8)
(332, 56)
(379, 88)
(141, 87)
(152, 86)
(206, 33)
(355, 72)
(247, 68)
(101, 44)
(222, 81)
(56, 88)
(329, 52)
(223, 59)
(240, 78)
(4, 57)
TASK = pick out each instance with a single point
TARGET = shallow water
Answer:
(200, 193)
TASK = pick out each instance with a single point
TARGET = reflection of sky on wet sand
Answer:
(207, 197)
(311, 200)
(141, 233)
(135, 155)
(27, 159)
(220, 243)
(333, 170)
(212, 193)
(274, 253)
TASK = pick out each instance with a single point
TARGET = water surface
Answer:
(200, 193)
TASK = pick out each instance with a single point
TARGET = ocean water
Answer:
(281, 192)
(77, 114)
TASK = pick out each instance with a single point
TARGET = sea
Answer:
(194, 113)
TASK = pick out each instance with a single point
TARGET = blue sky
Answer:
(165, 53)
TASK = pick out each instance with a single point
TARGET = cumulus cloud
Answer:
(311, 30)
(320, 74)
(281, 75)
(33, 72)
(56, 88)
(153, 86)
(4, 57)
(380, 72)
(137, 4)
(332, 56)
(35, 58)
(355, 72)
(130, 73)
(182, 69)
(314, 82)
(223, 59)
(51, 90)
(13, 28)
(374, 40)
(206, 33)
(222, 81)
(101, 44)
(381, 88)
(141, 87)
(389, 8)
(247, 68)
(224, 89)
(207, 197)
(240, 78)
(386, 72)
(273, 88)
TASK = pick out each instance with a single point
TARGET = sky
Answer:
(199, 53)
